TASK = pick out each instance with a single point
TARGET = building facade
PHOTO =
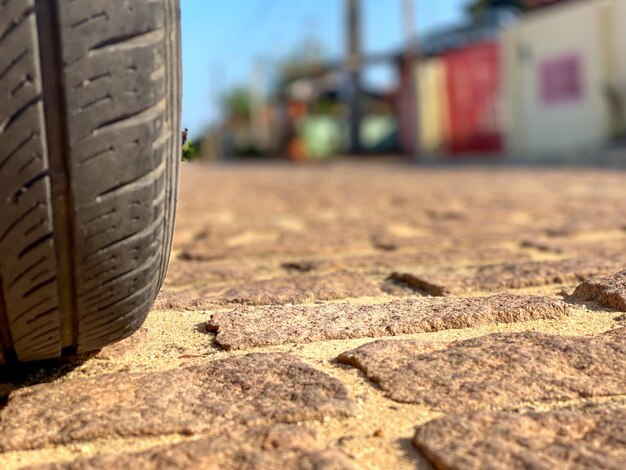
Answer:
(564, 78)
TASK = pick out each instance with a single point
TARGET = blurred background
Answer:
(431, 81)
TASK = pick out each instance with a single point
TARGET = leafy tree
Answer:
(303, 57)
(478, 8)
(237, 102)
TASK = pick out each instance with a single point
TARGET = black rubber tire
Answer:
(89, 157)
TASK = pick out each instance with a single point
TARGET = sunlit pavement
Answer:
(367, 315)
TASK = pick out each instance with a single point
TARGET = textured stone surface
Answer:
(303, 288)
(182, 273)
(578, 247)
(540, 273)
(585, 222)
(499, 370)
(423, 257)
(284, 243)
(277, 447)
(479, 240)
(249, 327)
(274, 387)
(507, 276)
(189, 298)
(294, 289)
(608, 291)
(567, 440)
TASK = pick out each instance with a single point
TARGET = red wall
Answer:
(473, 83)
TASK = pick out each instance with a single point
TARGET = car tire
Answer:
(89, 158)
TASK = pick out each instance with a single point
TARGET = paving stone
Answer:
(394, 260)
(303, 288)
(385, 241)
(497, 371)
(539, 273)
(339, 240)
(590, 221)
(608, 291)
(189, 298)
(577, 247)
(481, 239)
(506, 276)
(271, 387)
(277, 447)
(205, 252)
(183, 273)
(251, 327)
(567, 440)
(305, 266)
(298, 288)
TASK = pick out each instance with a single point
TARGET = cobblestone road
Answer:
(359, 316)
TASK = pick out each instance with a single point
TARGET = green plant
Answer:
(190, 150)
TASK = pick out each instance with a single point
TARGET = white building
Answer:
(564, 86)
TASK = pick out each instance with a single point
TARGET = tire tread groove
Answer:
(7, 352)
(57, 139)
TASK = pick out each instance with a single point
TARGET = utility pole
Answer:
(217, 89)
(257, 121)
(353, 69)
(412, 59)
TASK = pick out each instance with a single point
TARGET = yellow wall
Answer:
(432, 105)
(538, 128)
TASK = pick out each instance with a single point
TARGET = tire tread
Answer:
(85, 230)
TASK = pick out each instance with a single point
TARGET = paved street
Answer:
(359, 315)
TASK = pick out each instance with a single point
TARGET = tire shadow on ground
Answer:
(14, 376)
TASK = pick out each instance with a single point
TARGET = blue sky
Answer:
(223, 39)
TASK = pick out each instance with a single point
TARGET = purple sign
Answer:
(561, 80)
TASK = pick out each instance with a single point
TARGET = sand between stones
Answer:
(567, 440)
(608, 291)
(239, 390)
(496, 371)
(274, 447)
(251, 327)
